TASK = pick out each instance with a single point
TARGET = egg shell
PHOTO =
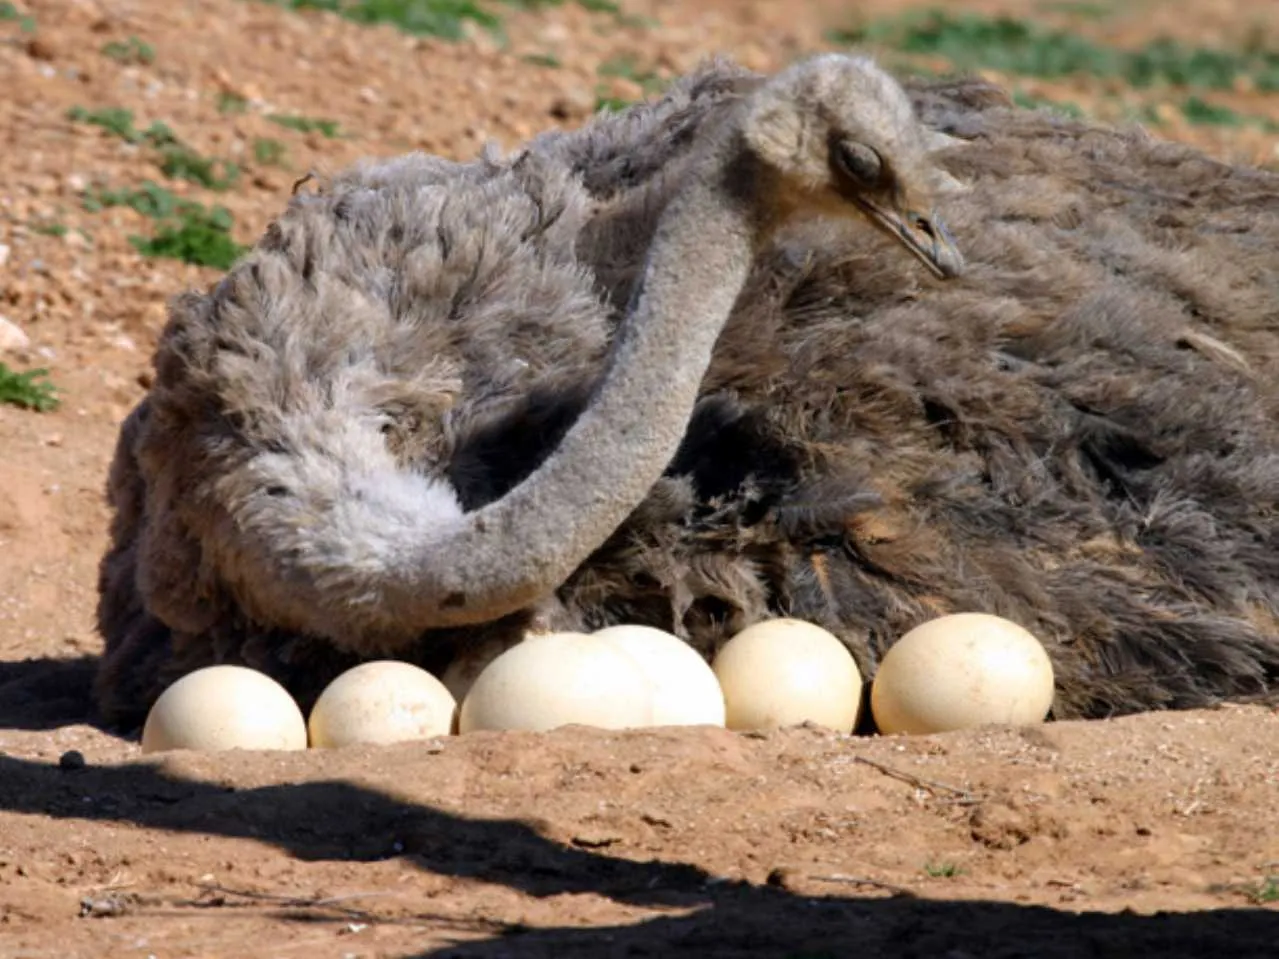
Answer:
(684, 688)
(384, 701)
(782, 672)
(224, 707)
(556, 679)
(962, 671)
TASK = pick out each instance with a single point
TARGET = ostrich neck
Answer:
(513, 552)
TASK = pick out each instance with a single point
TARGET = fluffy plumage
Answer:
(1081, 433)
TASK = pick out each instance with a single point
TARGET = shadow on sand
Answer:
(40, 694)
(342, 821)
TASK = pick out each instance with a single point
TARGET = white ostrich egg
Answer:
(685, 690)
(781, 672)
(224, 707)
(960, 671)
(555, 679)
(385, 701)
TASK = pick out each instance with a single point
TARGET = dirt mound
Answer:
(580, 842)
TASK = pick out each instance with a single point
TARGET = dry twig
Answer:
(960, 796)
(333, 903)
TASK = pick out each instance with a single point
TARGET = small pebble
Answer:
(12, 338)
(71, 759)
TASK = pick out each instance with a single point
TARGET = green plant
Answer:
(119, 121)
(151, 200)
(30, 390)
(971, 41)
(268, 152)
(1209, 114)
(439, 18)
(1203, 113)
(49, 229)
(182, 163)
(328, 128)
(1170, 62)
(177, 160)
(611, 104)
(115, 120)
(542, 60)
(196, 235)
(185, 230)
(1087, 11)
(1267, 890)
(160, 134)
(11, 13)
(131, 50)
(231, 103)
(942, 870)
(594, 6)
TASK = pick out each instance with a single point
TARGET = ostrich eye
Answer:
(858, 162)
(387, 419)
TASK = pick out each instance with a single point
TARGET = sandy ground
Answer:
(1149, 835)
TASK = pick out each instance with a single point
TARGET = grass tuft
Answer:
(231, 103)
(1203, 113)
(436, 18)
(150, 200)
(10, 13)
(1267, 891)
(1009, 45)
(1083, 10)
(49, 229)
(612, 104)
(182, 163)
(197, 235)
(268, 152)
(177, 160)
(30, 390)
(116, 120)
(328, 128)
(130, 51)
(186, 230)
(548, 60)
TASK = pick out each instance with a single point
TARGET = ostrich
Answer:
(675, 369)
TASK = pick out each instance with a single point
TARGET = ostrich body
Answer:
(665, 370)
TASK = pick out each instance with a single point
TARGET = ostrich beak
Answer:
(925, 236)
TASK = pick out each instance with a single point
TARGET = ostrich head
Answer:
(841, 134)
(268, 433)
